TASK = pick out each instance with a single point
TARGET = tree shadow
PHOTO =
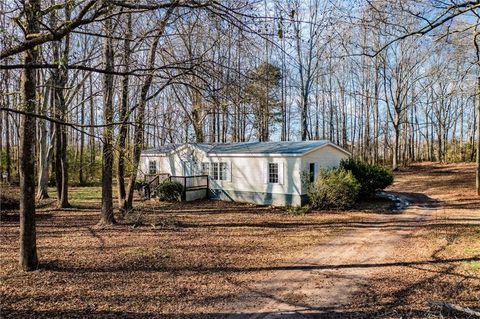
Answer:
(150, 265)
(318, 313)
(14, 216)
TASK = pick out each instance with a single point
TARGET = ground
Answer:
(217, 259)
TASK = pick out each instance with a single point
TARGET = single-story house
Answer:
(257, 172)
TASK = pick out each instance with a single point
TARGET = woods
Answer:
(86, 85)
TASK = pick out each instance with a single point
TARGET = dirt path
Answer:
(324, 278)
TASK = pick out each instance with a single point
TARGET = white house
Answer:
(257, 172)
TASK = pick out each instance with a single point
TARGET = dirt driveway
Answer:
(326, 279)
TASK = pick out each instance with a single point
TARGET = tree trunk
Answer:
(81, 176)
(123, 116)
(395, 147)
(28, 248)
(60, 83)
(92, 123)
(8, 159)
(44, 149)
(139, 120)
(197, 116)
(477, 179)
(107, 217)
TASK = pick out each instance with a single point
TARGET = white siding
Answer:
(247, 173)
(325, 157)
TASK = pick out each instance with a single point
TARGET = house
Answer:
(257, 172)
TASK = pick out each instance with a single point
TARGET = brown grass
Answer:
(172, 259)
(450, 240)
(192, 260)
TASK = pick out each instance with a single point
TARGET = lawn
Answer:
(195, 259)
(452, 233)
(173, 259)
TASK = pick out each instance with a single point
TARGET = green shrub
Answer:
(372, 178)
(297, 210)
(169, 191)
(336, 188)
(138, 186)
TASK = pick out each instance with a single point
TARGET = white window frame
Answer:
(315, 170)
(218, 171)
(273, 173)
(222, 171)
(280, 172)
(214, 170)
(150, 162)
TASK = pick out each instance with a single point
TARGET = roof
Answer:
(261, 147)
(250, 148)
(164, 149)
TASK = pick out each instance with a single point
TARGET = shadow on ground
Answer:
(318, 313)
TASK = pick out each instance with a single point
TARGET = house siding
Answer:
(326, 157)
(261, 198)
(246, 177)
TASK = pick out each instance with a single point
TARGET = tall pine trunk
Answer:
(81, 175)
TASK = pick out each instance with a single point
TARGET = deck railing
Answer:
(189, 183)
(153, 180)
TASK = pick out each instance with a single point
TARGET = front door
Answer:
(187, 168)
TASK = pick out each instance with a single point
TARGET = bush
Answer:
(169, 191)
(336, 188)
(9, 202)
(297, 210)
(372, 178)
(138, 186)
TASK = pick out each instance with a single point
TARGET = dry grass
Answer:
(184, 259)
(192, 260)
(449, 241)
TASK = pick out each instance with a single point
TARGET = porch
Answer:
(194, 187)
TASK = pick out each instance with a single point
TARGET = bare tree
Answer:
(28, 247)
(141, 104)
(107, 217)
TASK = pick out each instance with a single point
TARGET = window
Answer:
(222, 171)
(218, 171)
(205, 168)
(311, 171)
(273, 173)
(152, 167)
(215, 171)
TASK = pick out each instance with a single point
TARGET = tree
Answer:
(60, 80)
(261, 92)
(106, 217)
(45, 150)
(28, 247)
(141, 105)
(124, 102)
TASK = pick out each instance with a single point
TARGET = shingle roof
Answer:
(261, 147)
(246, 148)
